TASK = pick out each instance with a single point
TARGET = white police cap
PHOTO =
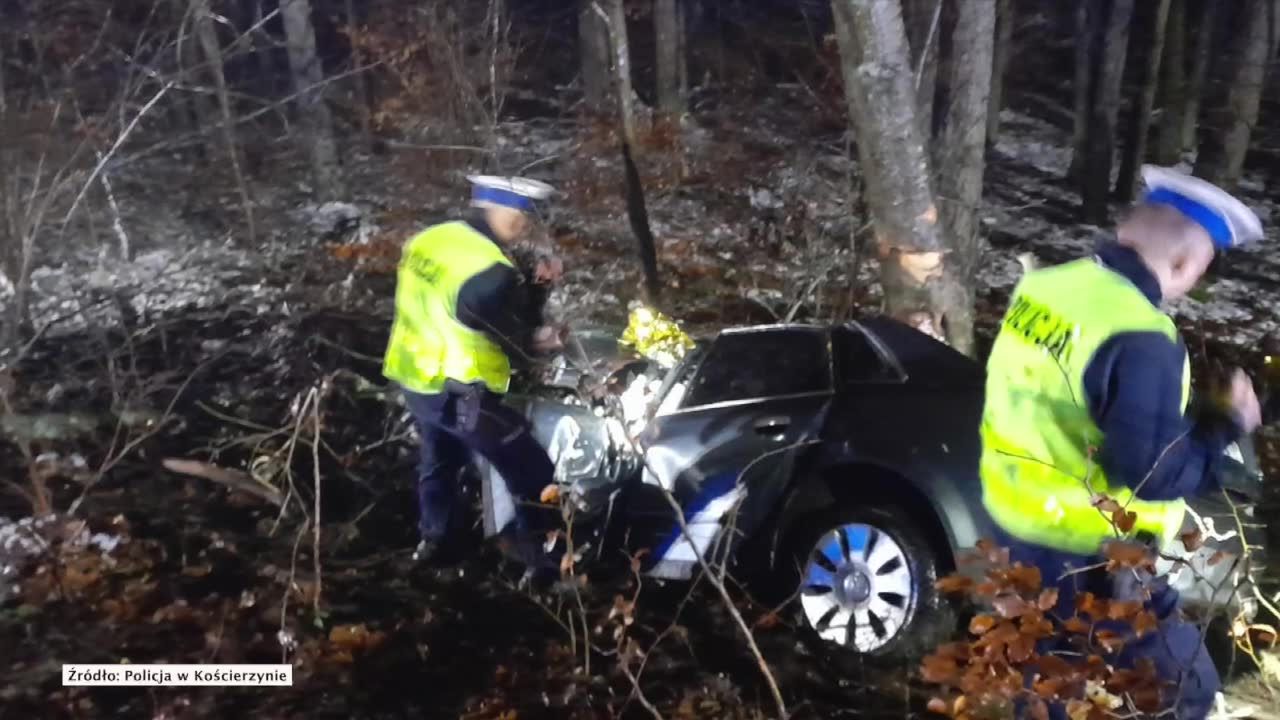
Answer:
(511, 192)
(1229, 222)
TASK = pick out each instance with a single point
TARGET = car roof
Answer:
(921, 357)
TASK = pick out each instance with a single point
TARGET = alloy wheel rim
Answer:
(858, 589)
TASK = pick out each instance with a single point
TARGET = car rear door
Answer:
(726, 450)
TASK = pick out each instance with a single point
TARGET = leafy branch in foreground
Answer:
(1009, 664)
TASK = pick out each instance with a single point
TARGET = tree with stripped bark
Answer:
(917, 268)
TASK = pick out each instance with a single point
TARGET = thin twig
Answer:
(315, 459)
(111, 153)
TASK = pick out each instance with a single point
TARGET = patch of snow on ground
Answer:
(209, 274)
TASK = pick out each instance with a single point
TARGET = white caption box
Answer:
(164, 675)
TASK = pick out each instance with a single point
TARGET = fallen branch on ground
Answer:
(234, 479)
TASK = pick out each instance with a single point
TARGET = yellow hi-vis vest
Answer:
(1038, 478)
(428, 344)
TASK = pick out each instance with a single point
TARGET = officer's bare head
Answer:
(1175, 248)
(507, 223)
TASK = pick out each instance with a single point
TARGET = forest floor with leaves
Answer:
(202, 345)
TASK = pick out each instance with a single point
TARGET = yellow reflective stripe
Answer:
(1042, 504)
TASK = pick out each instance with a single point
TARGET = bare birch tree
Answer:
(202, 20)
(615, 15)
(920, 286)
(593, 51)
(196, 106)
(1221, 156)
(1135, 149)
(668, 22)
(314, 117)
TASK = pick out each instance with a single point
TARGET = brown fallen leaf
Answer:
(1110, 640)
(1106, 504)
(1076, 625)
(1010, 606)
(1048, 599)
(355, 638)
(980, 624)
(1193, 540)
(954, 583)
(940, 670)
(1124, 520)
(1021, 649)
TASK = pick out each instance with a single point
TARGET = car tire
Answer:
(897, 567)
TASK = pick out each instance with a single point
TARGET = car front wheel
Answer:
(866, 584)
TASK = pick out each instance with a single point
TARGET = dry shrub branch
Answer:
(1022, 654)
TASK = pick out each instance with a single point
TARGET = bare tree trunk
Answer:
(617, 23)
(200, 113)
(1135, 149)
(4, 98)
(208, 36)
(1173, 86)
(920, 286)
(262, 50)
(1221, 157)
(1087, 17)
(1207, 30)
(593, 50)
(314, 118)
(1101, 137)
(684, 54)
(364, 98)
(923, 20)
(1005, 19)
(667, 22)
(961, 149)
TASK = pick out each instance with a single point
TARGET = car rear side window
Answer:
(858, 360)
(761, 364)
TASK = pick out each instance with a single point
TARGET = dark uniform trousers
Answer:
(1176, 646)
(470, 419)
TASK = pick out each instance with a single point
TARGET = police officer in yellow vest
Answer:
(1087, 390)
(461, 320)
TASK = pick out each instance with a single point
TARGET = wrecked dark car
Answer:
(840, 460)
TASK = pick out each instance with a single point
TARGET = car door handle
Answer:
(773, 425)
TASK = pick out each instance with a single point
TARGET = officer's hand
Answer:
(1243, 402)
(548, 338)
(548, 269)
